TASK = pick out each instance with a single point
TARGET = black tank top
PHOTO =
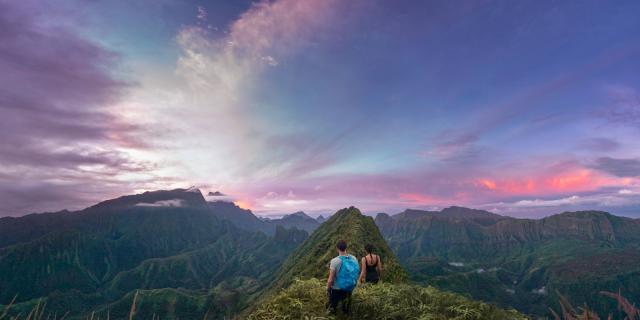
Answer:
(372, 271)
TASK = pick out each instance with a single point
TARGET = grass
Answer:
(305, 299)
(568, 312)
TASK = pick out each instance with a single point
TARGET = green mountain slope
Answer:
(519, 262)
(91, 259)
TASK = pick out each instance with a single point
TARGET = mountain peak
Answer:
(311, 259)
(300, 214)
(216, 194)
(193, 189)
(190, 197)
(591, 214)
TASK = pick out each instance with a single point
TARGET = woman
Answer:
(371, 270)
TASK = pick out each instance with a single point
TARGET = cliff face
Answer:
(518, 262)
(478, 233)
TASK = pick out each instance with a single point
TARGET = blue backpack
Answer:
(348, 274)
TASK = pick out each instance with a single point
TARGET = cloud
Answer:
(619, 167)
(600, 144)
(163, 203)
(624, 107)
(219, 75)
(59, 134)
(624, 201)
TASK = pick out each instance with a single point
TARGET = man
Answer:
(343, 276)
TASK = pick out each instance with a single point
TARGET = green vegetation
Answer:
(305, 299)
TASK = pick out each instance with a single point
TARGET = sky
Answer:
(523, 108)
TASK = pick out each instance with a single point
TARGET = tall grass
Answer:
(306, 300)
(38, 312)
(568, 312)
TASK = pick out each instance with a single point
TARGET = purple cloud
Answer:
(58, 135)
(625, 106)
(619, 167)
(600, 144)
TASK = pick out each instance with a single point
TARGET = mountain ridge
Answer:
(311, 258)
(519, 262)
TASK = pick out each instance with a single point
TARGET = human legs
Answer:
(336, 296)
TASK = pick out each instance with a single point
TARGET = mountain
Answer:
(321, 219)
(519, 262)
(191, 198)
(168, 244)
(22, 229)
(241, 218)
(299, 291)
(299, 220)
(245, 219)
(311, 258)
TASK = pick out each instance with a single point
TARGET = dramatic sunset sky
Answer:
(523, 108)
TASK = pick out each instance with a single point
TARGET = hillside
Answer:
(519, 262)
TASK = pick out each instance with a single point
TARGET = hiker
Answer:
(371, 266)
(343, 277)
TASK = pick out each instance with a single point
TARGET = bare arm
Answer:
(379, 268)
(331, 279)
(363, 270)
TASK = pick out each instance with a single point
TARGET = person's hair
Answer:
(369, 248)
(341, 245)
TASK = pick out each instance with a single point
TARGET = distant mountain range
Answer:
(246, 220)
(519, 262)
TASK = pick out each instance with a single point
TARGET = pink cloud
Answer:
(279, 27)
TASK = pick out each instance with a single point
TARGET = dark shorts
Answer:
(372, 278)
(336, 296)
